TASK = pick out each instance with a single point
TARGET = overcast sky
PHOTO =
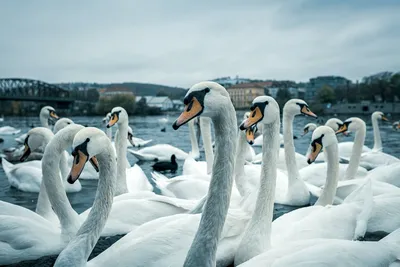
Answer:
(181, 42)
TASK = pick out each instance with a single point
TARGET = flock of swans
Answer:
(219, 212)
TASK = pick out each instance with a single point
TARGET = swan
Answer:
(174, 238)
(350, 180)
(373, 158)
(345, 148)
(119, 116)
(163, 152)
(331, 253)
(37, 233)
(375, 126)
(8, 130)
(291, 109)
(200, 168)
(27, 176)
(46, 113)
(319, 221)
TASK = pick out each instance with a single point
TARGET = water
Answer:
(149, 128)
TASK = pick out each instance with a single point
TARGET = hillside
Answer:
(139, 89)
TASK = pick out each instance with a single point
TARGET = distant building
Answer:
(228, 81)
(161, 102)
(178, 104)
(316, 84)
(385, 76)
(112, 91)
(242, 95)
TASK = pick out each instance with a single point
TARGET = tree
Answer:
(162, 93)
(326, 95)
(282, 96)
(106, 104)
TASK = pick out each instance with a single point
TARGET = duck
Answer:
(166, 166)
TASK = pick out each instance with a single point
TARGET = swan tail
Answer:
(199, 206)
(161, 181)
(364, 194)
(7, 166)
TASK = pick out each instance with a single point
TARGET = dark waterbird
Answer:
(166, 166)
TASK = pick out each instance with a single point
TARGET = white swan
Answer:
(375, 126)
(193, 167)
(291, 109)
(8, 130)
(170, 239)
(345, 148)
(163, 152)
(344, 221)
(47, 113)
(119, 116)
(27, 176)
(332, 253)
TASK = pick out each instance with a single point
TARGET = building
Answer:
(228, 81)
(242, 95)
(112, 91)
(385, 76)
(161, 102)
(178, 104)
(317, 83)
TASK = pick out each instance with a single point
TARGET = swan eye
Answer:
(190, 106)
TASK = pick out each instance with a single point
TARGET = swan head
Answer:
(251, 134)
(323, 136)
(296, 107)
(352, 125)
(87, 143)
(264, 109)
(106, 118)
(204, 99)
(118, 115)
(379, 115)
(61, 124)
(308, 128)
(48, 112)
(36, 138)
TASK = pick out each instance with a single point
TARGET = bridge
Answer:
(32, 90)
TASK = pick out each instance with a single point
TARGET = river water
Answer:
(148, 127)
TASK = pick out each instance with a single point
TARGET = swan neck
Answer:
(64, 166)
(332, 177)
(240, 179)
(377, 135)
(356, 153)
(258, 230)
(193, 140)
(121, 143)
(290, 156)
(109, 133)
(54, 186)
(205, 127)
(204, 246)
(43, 206)
(44, 121)
(89, 233)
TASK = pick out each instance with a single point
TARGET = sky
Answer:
(182, 42)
